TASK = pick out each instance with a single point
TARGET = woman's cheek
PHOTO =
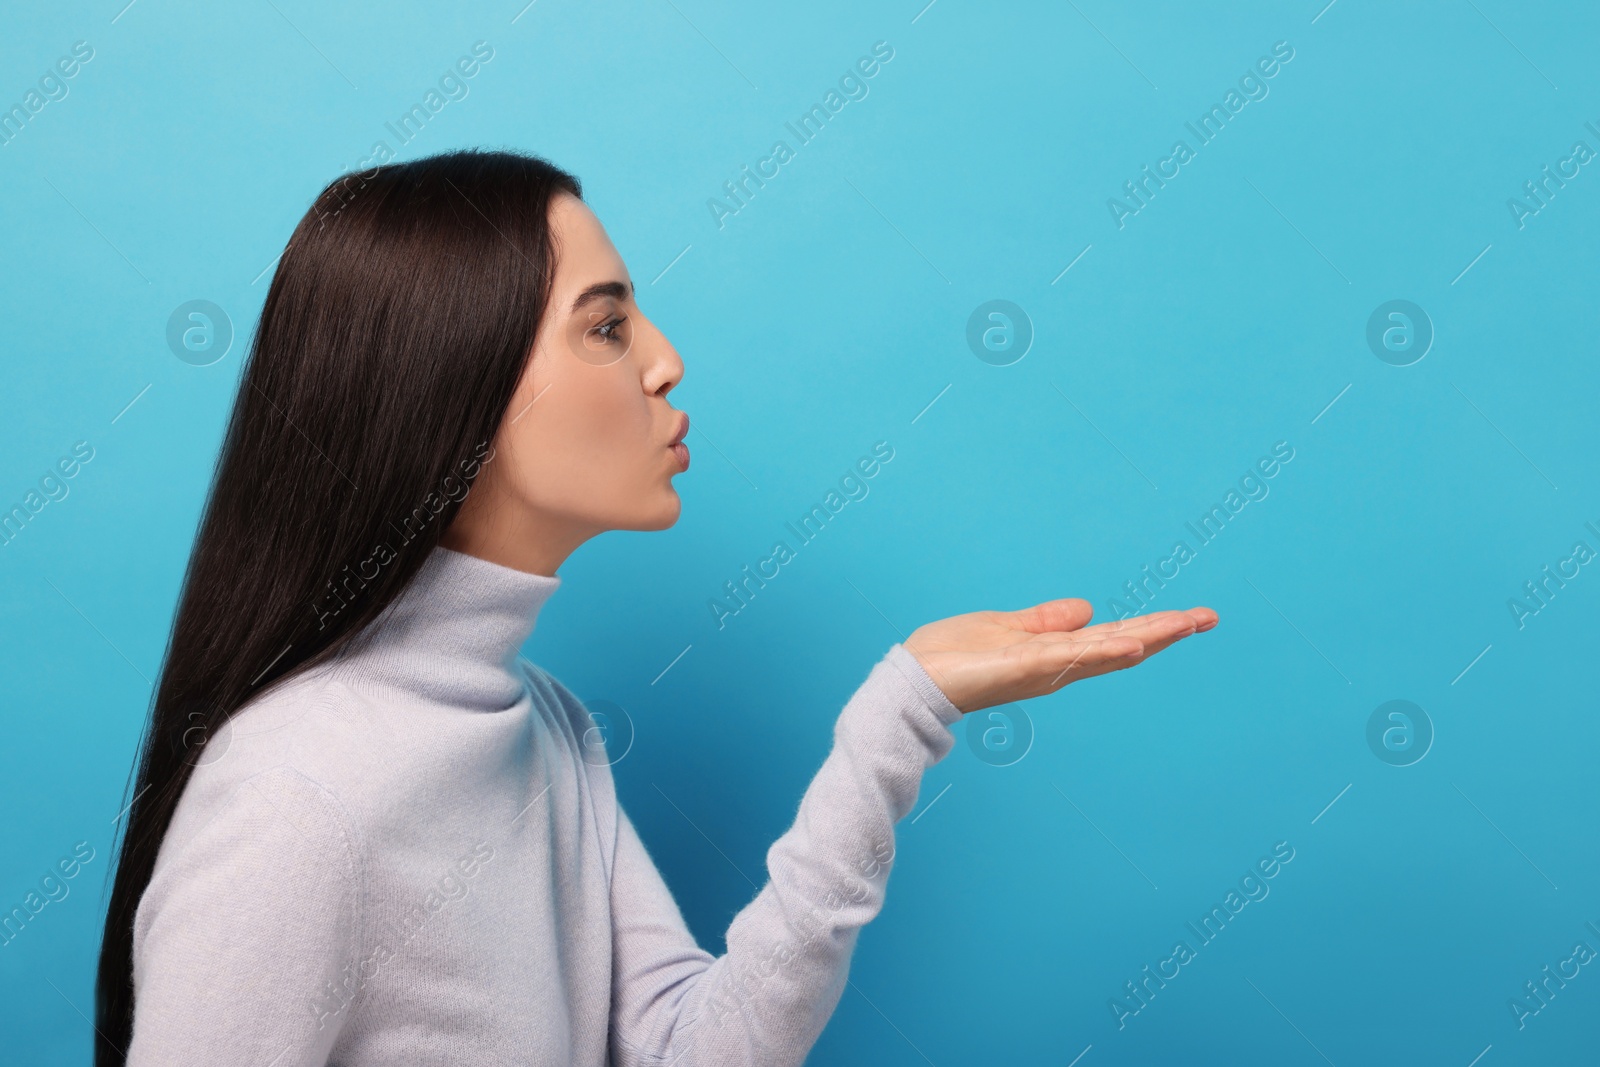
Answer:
(626, 424)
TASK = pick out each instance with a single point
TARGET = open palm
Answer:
(986, 658)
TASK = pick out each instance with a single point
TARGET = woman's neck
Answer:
(524, 543)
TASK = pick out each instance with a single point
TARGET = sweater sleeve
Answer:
(243, 939)
(768, 998)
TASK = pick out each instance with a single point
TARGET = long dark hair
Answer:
(396, 327)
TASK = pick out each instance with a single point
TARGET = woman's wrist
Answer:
(933, 694)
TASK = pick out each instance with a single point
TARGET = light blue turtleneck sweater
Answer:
(415, 854)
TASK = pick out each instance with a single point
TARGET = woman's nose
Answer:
(663, 366)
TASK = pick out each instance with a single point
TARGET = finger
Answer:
(1119, 626)
(1053, 658)
(1165, 628)
(1203, 618)
(1161, 629)
(1052, 616)
(1200, 620)
(1168, 631)
(1134, 644)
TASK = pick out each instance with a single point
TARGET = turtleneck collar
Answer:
(453, 634)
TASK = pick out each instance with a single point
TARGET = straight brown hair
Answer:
(397, 325)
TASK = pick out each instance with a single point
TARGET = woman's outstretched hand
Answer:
(986, 658)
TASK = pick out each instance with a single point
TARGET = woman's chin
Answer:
(662, 517)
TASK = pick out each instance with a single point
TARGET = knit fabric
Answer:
(414, 854)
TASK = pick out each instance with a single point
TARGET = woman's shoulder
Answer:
(371, 750)
(312, 733)
(303, 722)
(256, 813)
(284, 742)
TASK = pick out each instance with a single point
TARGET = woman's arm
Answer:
(766, 1000)
(241, 940)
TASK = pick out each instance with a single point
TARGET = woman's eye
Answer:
(602, 337)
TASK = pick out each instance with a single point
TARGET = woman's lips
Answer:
(680, 449)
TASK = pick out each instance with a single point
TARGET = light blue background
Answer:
(823, 318)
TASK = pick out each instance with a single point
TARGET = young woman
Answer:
(363, 829)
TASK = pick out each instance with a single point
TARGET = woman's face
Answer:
(587, 444)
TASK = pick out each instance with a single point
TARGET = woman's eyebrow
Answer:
(615, 290)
